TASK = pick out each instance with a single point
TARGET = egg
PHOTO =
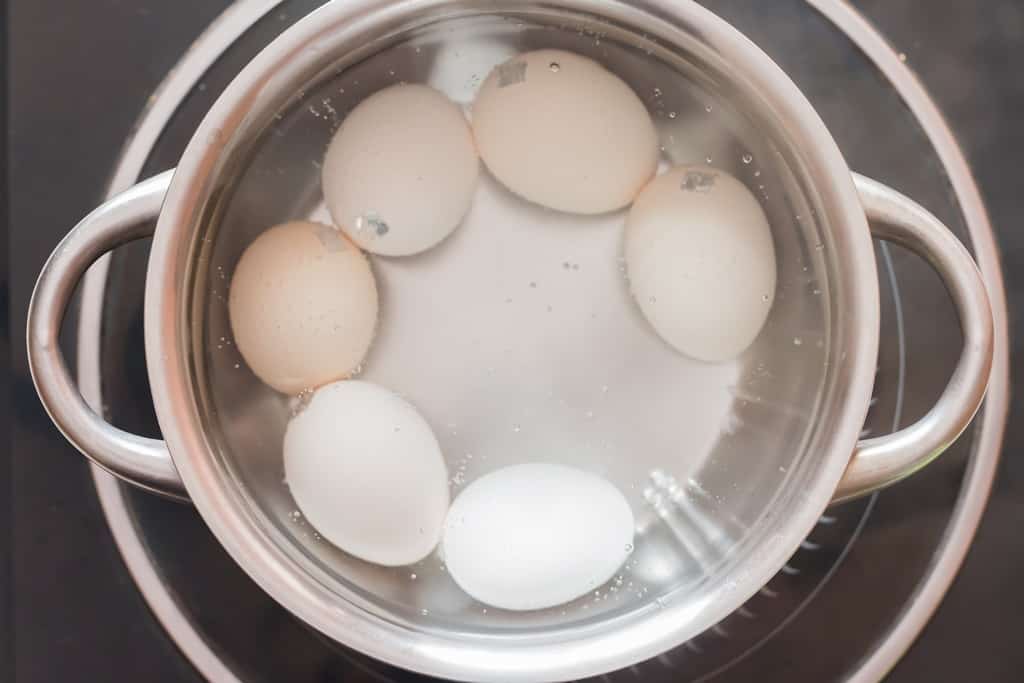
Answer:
(701, 261)
(366, 471)
(536, 535)
(560, 130)
(302, 305)
(400, 172)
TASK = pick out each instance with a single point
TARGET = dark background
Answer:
(80, 73)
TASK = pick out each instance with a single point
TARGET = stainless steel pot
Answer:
(717, 532)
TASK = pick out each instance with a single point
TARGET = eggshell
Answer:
(399, 174)
(564, 132)
(303, 306)
(536, 535)
(366, 471)
(701, 262)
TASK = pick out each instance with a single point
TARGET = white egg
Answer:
(536, 535)
(303, 306)
(564, 132)
(366, 471)
(701, 261)
(400, 172)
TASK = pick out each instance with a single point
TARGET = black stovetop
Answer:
(81, 72)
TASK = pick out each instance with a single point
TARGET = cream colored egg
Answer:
(400, 172)
(701, 261)
(366, 471)
(303, 306)
(564, 132)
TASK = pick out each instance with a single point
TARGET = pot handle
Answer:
(883, 460)
(125, 217)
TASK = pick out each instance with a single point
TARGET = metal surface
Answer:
(947, 560)
(340, 609)
(172, 395)
(981, 473)
(145, 462)
(883, 460)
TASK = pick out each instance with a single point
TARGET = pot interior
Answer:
(517, 337)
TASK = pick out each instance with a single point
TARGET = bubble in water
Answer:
(708, 108)
(629, 548)
(747, 158)
(903, 56)
(657, 92)
(412, 576)
(764, 298)
(424, 612)
(797, 341)
(672, 114)
(708, 159)
(299, 403)
(554, 66)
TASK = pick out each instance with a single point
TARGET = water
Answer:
(517, 338)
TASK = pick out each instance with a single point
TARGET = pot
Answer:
(713, 530)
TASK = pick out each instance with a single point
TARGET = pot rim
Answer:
(587, 651)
